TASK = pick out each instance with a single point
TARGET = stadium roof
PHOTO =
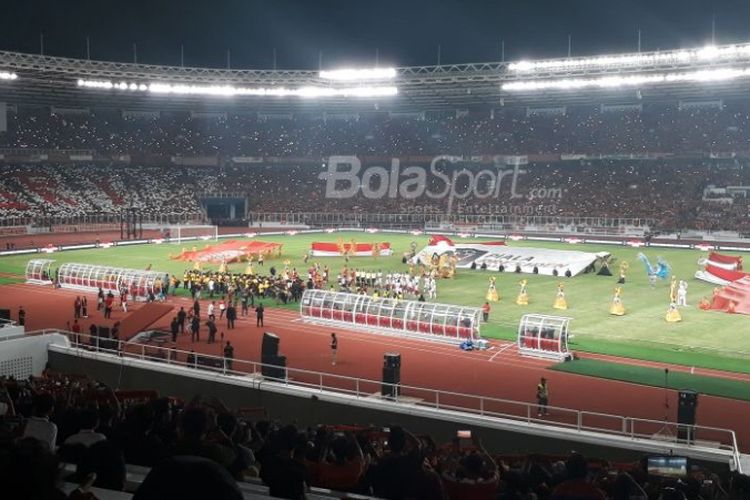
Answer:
(705, 73)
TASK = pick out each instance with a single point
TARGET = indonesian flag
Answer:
(439, 239)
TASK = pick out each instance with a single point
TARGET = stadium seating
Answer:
(139, 435)
(675, 189)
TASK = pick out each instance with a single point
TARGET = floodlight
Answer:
(350, 75)
(709, 75)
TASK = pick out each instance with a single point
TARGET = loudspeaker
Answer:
(391, 360)
(686, 408)
(391, 382)
(5, 314)
(270, 345)
(274, 367)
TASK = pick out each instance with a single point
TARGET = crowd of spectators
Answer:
(668, 191)
(655, 128)
(202, 449)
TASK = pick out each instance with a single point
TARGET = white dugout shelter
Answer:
(410, 318)
(139, 283)
(38, 271)
(541, 336)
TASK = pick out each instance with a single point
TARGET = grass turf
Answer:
(706, 339)
(714, 386)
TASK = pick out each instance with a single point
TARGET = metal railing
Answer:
(428, 398)
(434, 219)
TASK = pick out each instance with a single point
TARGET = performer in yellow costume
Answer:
(223, 266)
(492, 295)
(673, 289)
(624, 266)
(560, 302)
(249, 268)
(617, 308)
(673, 314)
(523, 296)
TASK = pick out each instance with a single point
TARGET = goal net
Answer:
(191, 232)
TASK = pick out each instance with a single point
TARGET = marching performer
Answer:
(673, 289)
(617, 308)
(673, 314)
(523, 296)
(682, 293)
(492, 295)
(623, 271)
(560, 302)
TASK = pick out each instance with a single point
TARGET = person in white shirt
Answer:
(39, 426)
(88, 421)
(211, 308)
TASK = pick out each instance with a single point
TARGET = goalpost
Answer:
(179, 233)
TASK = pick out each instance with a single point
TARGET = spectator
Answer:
(284, 475)
(577, 485)
(39, 426)
(194, 429)
(188, 478)
(88, 421)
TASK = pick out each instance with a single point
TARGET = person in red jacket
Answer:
(486, 312)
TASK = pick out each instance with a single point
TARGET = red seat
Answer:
(360, 318)
(372, 320)
(385, 322)
(397, 323)
(337, 315)
(326, 314)
(348, 315)
(450, 331)
(411, 326)
(549, 344)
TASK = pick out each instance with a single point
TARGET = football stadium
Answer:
(328, 275)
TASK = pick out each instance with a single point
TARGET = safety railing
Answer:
(430, 398)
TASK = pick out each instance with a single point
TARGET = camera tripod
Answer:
(665, 430)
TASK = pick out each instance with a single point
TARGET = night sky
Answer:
(348, 32)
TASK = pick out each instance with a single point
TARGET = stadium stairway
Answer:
(140, 319)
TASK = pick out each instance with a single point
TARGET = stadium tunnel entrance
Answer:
(220, 207)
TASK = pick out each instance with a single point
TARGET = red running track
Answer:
(492, 373)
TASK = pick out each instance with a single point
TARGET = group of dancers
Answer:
(677, 290)
(393, 285)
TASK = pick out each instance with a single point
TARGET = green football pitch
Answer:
(703, 339)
